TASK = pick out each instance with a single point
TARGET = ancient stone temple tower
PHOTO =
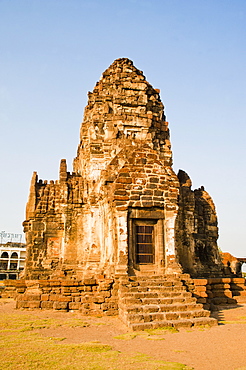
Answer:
(123, 210)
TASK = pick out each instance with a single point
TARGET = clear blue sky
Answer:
(52, 52)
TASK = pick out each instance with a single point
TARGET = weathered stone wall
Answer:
(197, 231)
(52, 211)
(219, 291)
(90, 296)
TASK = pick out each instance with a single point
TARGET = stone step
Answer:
(143, 287)
(165, 316)
(181, 298)
(153, 277)
(153, 297)
(185, 323)
(162, 308)
(147, 281)
(152, 288)
(152, 293)
(155, 283)
(139, 295)
(200, 321)
(194, 314)
(155, 325)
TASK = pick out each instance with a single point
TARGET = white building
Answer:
(12, 260)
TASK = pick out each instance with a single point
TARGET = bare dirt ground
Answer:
(222, 347)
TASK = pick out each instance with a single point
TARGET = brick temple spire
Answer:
(123, 109)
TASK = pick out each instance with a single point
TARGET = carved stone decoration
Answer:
(123, 210)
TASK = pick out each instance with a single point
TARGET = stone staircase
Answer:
(159, 301)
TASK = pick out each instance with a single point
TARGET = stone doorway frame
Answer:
(147, 216)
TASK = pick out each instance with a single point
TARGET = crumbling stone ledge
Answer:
(90, 296)
(214, 292)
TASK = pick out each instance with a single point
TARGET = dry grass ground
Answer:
(66, 340)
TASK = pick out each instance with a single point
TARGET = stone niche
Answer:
(123, 210)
